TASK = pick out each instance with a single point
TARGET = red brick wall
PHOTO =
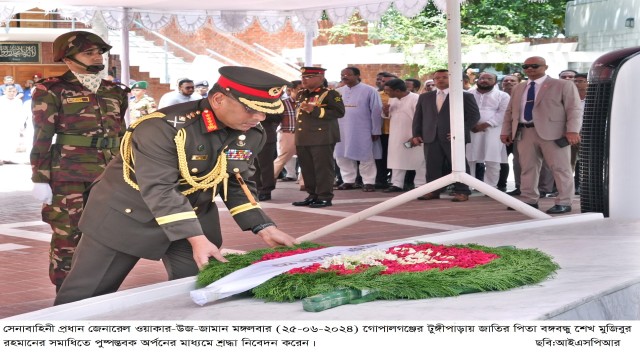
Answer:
(155, 88)
(368, 72)
(226, 45)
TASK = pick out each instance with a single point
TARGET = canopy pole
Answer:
(308, 45)
(124, 57)
(455, 87)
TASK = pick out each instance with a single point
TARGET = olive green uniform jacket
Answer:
(144, 222)
(320, 126)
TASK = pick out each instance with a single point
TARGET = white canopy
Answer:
(227, 16)
(301, 13)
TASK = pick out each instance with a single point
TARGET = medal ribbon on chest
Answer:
(209, 120)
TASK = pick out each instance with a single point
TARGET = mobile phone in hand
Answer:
(562, 142)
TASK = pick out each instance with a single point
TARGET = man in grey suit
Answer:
(544, 116)
(431, 126)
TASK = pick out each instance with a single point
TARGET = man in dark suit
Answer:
(544, 115)
(431, 126)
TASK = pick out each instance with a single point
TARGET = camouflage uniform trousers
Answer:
(63, 216)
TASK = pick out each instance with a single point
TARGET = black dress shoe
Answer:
(535, 206)
(306, 202)
(392, 189)
(320, 204)
(264, 197)
(559, 209)
(515, 192)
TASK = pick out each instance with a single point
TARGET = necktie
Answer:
(440, 99)
(531, 97)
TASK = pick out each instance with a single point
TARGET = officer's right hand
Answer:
(42, 192)
(203, 249)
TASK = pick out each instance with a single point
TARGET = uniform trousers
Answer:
(98, 269)
(318, 171)
(532, 150)
(286, 151)
(63, 215)
(349, 170)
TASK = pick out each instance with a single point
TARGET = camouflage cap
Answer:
(71, 43)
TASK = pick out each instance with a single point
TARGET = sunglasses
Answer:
(533, 66)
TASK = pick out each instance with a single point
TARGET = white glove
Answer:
(42, 192)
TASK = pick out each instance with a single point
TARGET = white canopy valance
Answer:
(233, 17)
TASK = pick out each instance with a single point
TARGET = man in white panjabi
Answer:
(402, 107)
(485, 146)
(360, 130)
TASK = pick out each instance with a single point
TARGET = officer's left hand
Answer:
(203, 249)
(275, 237)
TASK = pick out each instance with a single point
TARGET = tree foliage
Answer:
(522, 17)
(490, 22)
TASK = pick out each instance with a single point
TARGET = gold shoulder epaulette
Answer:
(210, 180)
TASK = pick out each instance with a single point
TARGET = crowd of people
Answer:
(396, 136)
(109, 164)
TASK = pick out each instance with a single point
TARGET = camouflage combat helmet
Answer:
(71, 43)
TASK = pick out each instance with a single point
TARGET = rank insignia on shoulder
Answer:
(338, 99)
(237, 154)
(209, 120)
(176, 120)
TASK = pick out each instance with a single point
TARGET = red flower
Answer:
(412, 258)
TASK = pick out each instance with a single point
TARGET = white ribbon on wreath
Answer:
(340, 15)
(191, 23)
(232, 22)
(155, 21)
(114, 19)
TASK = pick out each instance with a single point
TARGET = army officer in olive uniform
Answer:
(317, 133)
(156, 200)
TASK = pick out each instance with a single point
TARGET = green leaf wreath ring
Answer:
(408, 271)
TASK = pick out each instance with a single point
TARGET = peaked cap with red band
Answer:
(312, 70)
(254, 88)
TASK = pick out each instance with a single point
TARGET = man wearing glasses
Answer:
(183, 94)
(86, 115)
(544, 116)
(156, 200)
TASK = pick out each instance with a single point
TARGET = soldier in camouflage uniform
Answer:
(142, 104)
(156, 199)
(85, 114)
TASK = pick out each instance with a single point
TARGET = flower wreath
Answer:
(407, 271)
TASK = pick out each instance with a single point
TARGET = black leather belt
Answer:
(526, 125)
